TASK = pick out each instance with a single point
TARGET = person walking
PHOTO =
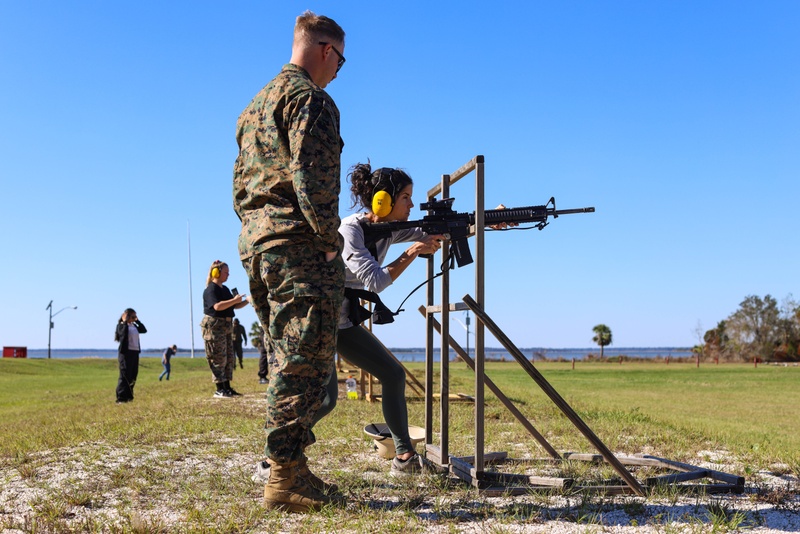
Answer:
(217, 328)
(165, 361)
(127, 334)
(263, 359)
(239, 335)
(286, 184)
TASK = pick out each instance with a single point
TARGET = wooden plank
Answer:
(437, 308)
(466, 477)
(464, 471)
(434, 454)
(534, 461)
(456, 397)
(456, 176)
(676, 477)
(479, 374)
(565, 408)
(715, 475)
(626, 460)
(458, 463)
(583, 457)
(533, 480)
(641, 462)
(488, 457)
(556, 482)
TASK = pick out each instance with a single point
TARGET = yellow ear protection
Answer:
(383, 200)
(215, 271)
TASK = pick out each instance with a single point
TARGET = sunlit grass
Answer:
(176, 448)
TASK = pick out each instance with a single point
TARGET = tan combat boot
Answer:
(313, 480)
(287, 490)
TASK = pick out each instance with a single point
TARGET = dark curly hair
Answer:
(364, 183)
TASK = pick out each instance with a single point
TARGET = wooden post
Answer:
(573, 363)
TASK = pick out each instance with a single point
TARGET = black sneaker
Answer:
(263, 381)
(233, 392)
(223, 394)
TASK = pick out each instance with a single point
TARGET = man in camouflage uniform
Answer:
(239, 336)
(286, 184)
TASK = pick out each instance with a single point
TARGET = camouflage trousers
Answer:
(219, 347)
(297, 296)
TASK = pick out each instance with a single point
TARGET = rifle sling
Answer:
(358, 314)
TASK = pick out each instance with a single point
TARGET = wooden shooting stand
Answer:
(471, 469)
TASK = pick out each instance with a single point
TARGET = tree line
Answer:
(760, 329)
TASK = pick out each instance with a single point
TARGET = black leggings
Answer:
(361, 348)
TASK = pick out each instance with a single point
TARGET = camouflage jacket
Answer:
(286, 179)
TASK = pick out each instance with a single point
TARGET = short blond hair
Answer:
(311, 28)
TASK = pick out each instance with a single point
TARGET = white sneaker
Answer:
(415, 465)
(262, 473)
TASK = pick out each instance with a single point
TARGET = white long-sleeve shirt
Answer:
(363, 270)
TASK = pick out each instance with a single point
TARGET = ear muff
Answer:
(382, 203)
(215, 272)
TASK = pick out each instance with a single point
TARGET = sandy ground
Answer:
(770, 503)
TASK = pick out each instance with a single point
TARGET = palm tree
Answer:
(256, 335)
(602, 336)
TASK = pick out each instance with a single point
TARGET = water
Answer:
(414, 354)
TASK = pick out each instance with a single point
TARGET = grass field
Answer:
(175, 442)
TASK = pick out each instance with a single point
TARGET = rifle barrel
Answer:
(525, 214)
(575, 210)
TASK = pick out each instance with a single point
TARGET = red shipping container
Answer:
(15, 352)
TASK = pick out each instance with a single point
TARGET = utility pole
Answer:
(191, 307)
(51, 324)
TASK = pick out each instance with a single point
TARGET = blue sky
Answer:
(678, 121)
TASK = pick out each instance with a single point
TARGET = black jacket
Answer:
(122, 334)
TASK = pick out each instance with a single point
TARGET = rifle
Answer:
(441, 219)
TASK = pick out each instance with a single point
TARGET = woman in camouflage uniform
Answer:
(217, 327)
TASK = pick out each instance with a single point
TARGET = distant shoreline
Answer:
(417, 354)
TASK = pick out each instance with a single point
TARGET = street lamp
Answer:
(50, 323)
(466, 327)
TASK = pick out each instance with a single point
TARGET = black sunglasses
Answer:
(341, 57)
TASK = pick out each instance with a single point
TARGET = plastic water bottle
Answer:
(350, 385)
